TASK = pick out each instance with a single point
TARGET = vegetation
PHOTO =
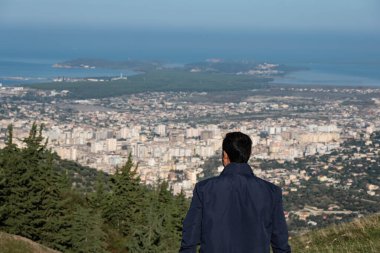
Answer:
(158, 80)
(361, 235)
(38, 201)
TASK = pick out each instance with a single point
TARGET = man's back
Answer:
(235, 212)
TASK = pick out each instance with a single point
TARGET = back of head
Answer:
(238, 147)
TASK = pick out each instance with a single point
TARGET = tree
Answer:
(37, 202)
(8, 172)
(85, 233)
(124, 206)
(98, 199)
(32, 194)
(161, 229)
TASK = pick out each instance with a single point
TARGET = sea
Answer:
(339, 58)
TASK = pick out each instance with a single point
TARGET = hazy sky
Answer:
(343, 15)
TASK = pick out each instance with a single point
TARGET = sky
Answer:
(311, 15)
(191, 30)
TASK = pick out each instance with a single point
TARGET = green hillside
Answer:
(17, 244)
(361, 235)
(163, 80)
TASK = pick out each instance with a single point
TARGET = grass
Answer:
(17, 244)
(361, 235)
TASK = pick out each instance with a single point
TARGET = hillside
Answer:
(57, 203)
(17, 244)
(361, 235)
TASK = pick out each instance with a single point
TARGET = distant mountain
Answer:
(18, 244)
(361, 235)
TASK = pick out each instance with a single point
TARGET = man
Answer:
(235, 212)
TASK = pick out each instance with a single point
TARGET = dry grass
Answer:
(361, 235)
(17, 244)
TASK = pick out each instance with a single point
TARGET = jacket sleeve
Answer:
(279, 237)
(191, 232)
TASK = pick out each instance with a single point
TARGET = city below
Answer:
(318, 143)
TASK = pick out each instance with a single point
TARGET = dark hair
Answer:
(238, 147)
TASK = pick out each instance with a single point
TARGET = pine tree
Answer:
(144, 234)
(181, 205)
(16, 165)
(171, 218)
(160, 230)
(8, 176)
(98, 199)
(124, 206)
(86, 234)
(32, 192)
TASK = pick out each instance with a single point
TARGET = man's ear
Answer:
(226, 159)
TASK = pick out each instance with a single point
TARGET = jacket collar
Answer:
(237, 168)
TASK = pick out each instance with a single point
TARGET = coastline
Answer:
(14, 73)
(20, 73)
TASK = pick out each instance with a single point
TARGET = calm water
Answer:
(332, 58)
(338, 74)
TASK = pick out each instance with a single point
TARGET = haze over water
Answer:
(339, 43)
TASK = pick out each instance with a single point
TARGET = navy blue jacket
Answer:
(235, 212)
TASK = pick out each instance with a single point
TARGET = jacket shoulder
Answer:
(206, 181)
(274, 189)
(270, 186)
